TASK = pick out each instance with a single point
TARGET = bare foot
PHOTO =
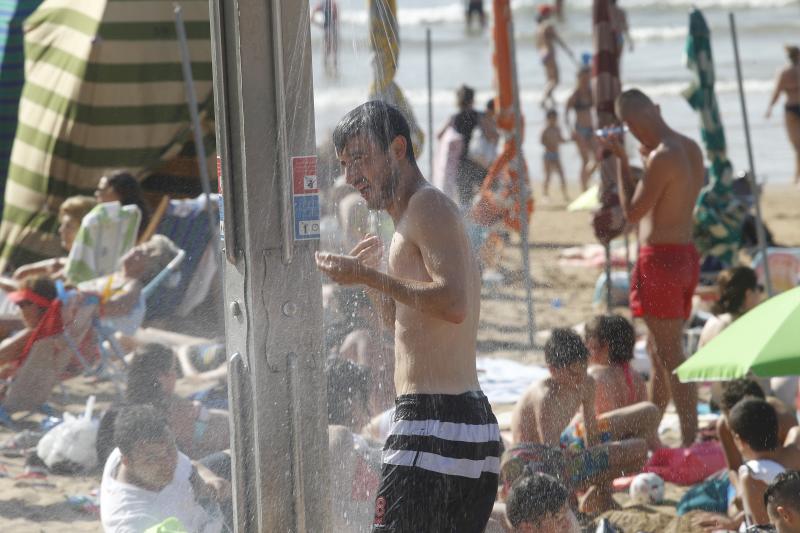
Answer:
(597, 500)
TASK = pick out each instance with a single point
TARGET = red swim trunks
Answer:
(663, 281)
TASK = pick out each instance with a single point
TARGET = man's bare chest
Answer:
(405, 259)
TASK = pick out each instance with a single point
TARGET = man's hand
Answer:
(350, 269)
(715, 522)
(613, 143)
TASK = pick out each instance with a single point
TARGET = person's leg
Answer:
(560, 171)
(548, 169)
(639, 421)
(621, 459)
(584, 151)
(668, 350)
(792, 121)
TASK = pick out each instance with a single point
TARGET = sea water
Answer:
(657, 66)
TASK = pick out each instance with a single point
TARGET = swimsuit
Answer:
(475, 6)
(663, 281)
(570, 468)
(626, 370)
(793, 108)
(440, 465)
(551, 156)
(573, 438)
(587, 132)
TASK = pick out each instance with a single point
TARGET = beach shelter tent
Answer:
(384, 38)
(762, 341)
(12, 75)
(718, 214)
(103, 89)
(608, 221)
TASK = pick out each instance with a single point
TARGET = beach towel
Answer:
(105, 235)
(687, 466)
(446, 161)
(503, 381)
(711, 495)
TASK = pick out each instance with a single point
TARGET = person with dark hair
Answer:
(540, 504)
(152, 374)
(581, 101)
(546, 40)
(788, 83)
(430, 298)
(147, 481)
(475, 9)
(120, 186)
(545, 415)
(551, 139)
(667, 269)
(739, 292)
(782, 499)
(355, 461)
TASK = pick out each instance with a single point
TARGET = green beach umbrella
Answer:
(764, 341)
(718, 214)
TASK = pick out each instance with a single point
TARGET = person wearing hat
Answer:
(788, 83)
(33, 298)
(546, 39)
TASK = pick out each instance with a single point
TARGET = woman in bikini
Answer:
(788, 82)
(581, 101)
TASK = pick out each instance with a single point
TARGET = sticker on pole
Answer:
(305, 194)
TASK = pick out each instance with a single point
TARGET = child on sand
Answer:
(551, 139)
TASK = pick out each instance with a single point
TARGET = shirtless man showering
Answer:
(441, 460)
(668, 267)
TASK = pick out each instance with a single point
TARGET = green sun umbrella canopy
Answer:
(718, 214)
(764, 341)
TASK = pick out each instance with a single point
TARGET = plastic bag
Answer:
(72, 442)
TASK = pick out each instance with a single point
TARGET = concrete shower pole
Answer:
(265, 140)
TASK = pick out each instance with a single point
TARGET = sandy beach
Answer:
(563, 297)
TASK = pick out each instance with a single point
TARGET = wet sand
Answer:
(40, 505)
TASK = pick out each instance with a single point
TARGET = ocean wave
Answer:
(345, 97)
(454, 12)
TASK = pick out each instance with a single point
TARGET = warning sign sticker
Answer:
(305, 189)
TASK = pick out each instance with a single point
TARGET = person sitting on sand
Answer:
(147, 481)
(152, 374)
(582, 102)
(546, 40)
(70, 215)
(355, 461)
(539, 503)
(754, 425)
(595, 450)
(551, 139)
(33, 298)
(782, 499)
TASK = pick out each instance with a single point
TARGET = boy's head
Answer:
(539, 503)
(465, 97)
(754, 424)
(736, 390)
(782, 500)
(146, 446)
(552, 117)
(566, 356)
(612, 337)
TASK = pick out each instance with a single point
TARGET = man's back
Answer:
(542, 414)
(433, 355)
(614, 389)
(678, 162)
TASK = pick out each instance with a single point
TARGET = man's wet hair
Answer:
(348, 383)
(377, 120)
(784, 491)
(617, 333)
(756, 423)
(631, 97)
(736, 390)
(563, 348)
(138, 424)
(533, 498)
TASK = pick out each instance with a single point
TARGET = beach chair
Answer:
(186, 224)
(105, 235)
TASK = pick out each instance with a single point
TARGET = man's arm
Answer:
(549, 428)
(637, 201)
(430, 222)
(589, 415)
(776, 93)
(523, 419)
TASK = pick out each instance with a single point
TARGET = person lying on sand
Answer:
(596, 450)
(754, 425)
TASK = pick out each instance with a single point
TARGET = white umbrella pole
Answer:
(523, 185)
(191, 100)
(762, 237)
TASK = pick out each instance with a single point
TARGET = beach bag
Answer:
(687, 466)
(70, 446)
(710, 495)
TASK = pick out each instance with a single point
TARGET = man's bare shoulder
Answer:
(430, 205)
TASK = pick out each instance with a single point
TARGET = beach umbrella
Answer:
(103, 89)
(718, 214)
(12, 75)
(385, 41)
(764, 341)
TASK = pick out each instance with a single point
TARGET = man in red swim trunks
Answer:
(667, 270)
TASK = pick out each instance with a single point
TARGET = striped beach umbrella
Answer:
(718, 214)
(608, 221)
(12, 75)
(385, 41)
(103, 90)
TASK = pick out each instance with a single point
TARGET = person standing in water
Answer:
(475, 9)
(788, 83)
(582, 102)
(619, 25)
(668, 267)
(441, 460)
(546, 40)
